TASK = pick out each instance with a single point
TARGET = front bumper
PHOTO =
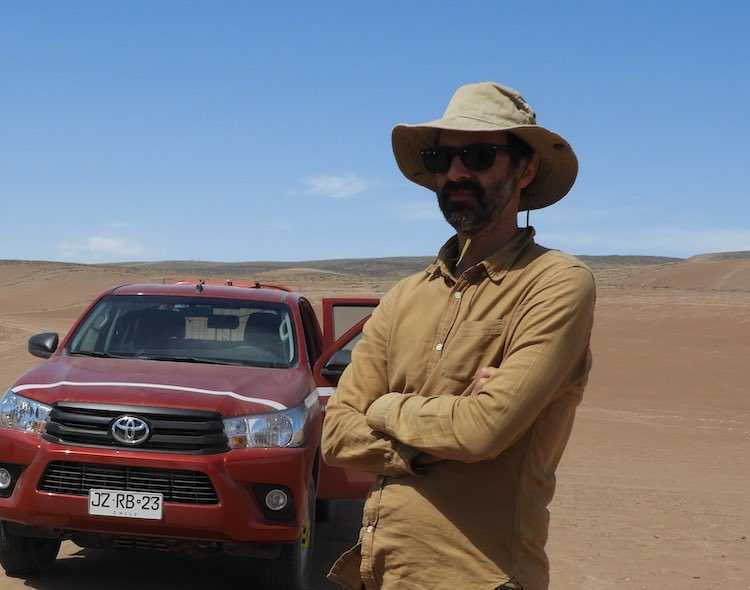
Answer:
(237, 518)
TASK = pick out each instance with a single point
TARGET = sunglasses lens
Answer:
(478, 156)
(436, 160)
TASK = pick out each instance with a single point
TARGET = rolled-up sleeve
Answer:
(548, 344)
(347, 440)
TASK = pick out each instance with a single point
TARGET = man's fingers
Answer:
(482, 375)
(486, 372)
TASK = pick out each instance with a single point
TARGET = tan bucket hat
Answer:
(488, 106)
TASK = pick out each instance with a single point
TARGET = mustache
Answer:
(465, 185)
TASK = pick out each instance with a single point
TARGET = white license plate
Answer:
(125, 504)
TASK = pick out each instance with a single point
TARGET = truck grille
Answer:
(171, 430)
(184, 487)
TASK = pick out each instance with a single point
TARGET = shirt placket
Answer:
(448, 321)
(370, 515)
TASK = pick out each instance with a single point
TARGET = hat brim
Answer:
(558, 164)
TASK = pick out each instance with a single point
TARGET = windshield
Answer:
(188, 329)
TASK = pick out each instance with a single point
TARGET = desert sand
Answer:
(652, 491)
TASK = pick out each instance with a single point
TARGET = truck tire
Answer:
(323, 510)
(26, 556)
(290, 571)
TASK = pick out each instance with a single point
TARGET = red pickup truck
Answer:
(181, 416)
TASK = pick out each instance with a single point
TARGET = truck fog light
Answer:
(5, 479)
(276, 499)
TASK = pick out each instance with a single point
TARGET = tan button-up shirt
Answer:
(477, 517)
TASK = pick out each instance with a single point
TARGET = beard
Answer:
(473, 215)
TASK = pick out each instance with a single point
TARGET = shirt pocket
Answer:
(475, 343)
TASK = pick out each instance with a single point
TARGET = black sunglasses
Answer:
(475, 156)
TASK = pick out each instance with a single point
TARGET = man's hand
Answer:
(481, 377)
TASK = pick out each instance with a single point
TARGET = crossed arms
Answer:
(368, 428)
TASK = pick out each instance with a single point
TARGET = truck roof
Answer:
(223, 290)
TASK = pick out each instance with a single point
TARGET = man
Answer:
(462, 392)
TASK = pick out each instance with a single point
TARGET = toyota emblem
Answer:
(130, 430)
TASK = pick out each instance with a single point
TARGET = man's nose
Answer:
(457, 169)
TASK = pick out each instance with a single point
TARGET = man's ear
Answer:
(529, 172)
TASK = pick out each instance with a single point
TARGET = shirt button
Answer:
(457, 295)
(439, 346)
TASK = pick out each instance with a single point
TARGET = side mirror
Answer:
(43, 345)
(336, 364)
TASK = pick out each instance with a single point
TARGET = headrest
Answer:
(262, 321)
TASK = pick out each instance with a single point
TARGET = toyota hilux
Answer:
(183, 416)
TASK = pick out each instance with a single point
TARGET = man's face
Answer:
(470, 200)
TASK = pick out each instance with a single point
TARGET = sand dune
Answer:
(720, 274)
(716, 256)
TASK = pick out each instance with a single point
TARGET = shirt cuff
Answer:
(400, 461)
(378, 411)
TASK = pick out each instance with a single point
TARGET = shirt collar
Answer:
(496, 265)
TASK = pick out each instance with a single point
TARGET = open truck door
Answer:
(343, 320)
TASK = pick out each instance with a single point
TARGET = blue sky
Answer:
(221, 130)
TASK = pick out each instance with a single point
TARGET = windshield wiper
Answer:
(184, 359)
(104, 355)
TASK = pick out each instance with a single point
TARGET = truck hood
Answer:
(230, 390)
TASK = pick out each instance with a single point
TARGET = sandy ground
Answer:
(652, 491)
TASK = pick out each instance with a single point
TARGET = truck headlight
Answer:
(280, 429)
(21, 413)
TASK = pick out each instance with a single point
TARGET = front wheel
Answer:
(26, 556)
(324, 510)
(290, 570)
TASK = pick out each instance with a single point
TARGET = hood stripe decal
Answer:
(254, 400)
